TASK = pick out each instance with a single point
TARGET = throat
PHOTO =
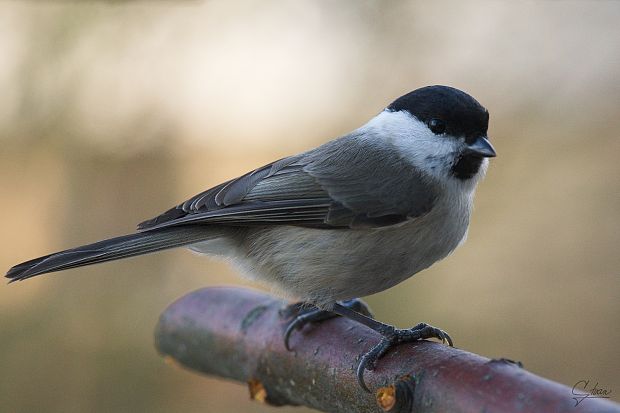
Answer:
(466, 166)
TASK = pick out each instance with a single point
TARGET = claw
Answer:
(360, 375)
(301, 320)
(369, 360)
(449, 339)
(294, 325)
(443, 336)
(304, 314)
(421, 331)
(368, 363)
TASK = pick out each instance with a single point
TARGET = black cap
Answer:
(459, 114)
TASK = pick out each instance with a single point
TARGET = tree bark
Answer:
(237, 334)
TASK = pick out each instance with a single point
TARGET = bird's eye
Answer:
(437, 126)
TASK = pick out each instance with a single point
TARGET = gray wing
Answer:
(346, 183)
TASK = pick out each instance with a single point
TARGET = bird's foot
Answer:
(306, 314)
(392, 337)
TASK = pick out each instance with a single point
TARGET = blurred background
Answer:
(111, 112)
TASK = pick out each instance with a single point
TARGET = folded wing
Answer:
(347, 183)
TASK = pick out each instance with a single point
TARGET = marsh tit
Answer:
(352, 217)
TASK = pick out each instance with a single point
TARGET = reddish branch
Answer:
(237, 334)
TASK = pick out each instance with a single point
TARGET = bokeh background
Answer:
(110, 112)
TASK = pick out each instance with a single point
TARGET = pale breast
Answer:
(323, 266)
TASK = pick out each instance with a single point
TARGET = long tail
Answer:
(111, 249)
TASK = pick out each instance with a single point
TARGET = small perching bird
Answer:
(350, 218)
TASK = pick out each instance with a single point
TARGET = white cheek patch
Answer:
(415, 142)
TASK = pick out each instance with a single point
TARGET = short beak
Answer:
(481, 147)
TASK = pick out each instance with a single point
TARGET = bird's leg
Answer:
(391, 337)
(307, 313)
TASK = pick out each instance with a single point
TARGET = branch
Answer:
(237, 334)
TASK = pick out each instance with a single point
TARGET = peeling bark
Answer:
(236, 333)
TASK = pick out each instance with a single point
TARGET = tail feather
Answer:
(111, 249)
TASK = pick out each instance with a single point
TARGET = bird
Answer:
(349, 218)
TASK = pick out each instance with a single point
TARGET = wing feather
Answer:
(347, 183)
